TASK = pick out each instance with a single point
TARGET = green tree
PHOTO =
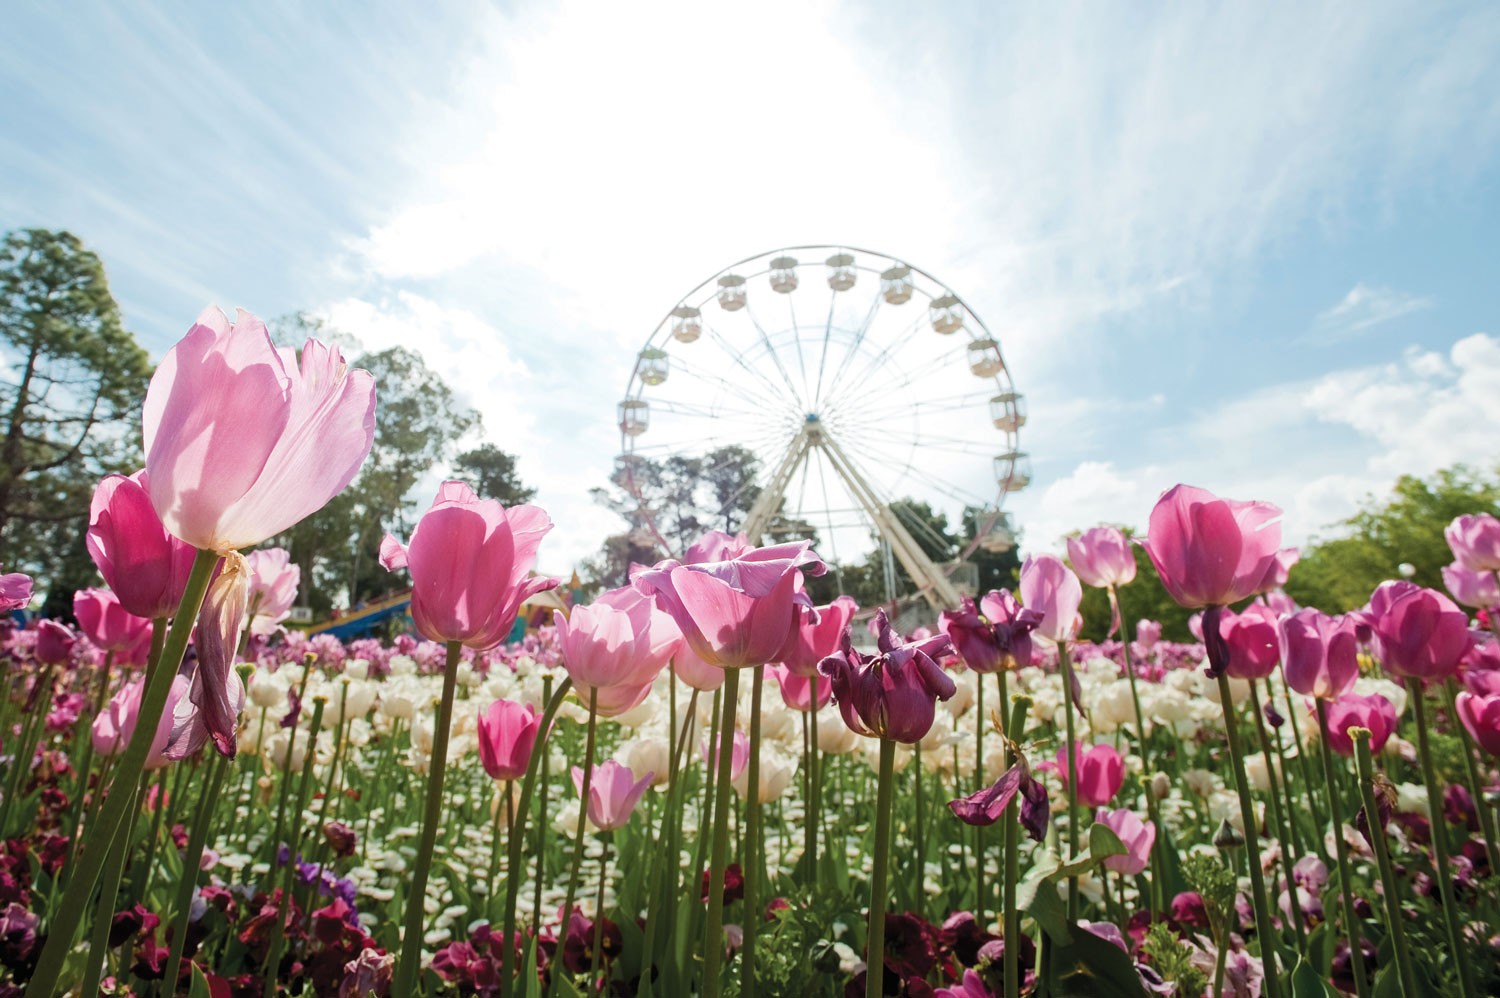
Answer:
(70, 400)
(1338, 574)
(492, 473)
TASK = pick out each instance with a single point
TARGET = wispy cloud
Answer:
(1364, 307)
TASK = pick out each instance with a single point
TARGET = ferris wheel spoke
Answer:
(882, 358)
(823, 356)
(771, 352)
(739, 359)
(743, 392)
(855, 342)
(865, 390)
(791, 307)
(682, 407)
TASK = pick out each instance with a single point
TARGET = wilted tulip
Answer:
(995, 634)
(892, 694)
(242, 441)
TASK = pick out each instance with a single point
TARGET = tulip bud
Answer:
(1228, 837)
(1161, 786)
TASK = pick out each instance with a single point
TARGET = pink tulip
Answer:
(507, 735)
(1475, 540)
(469, 560)
(241, 441)
(1477, 589)
(1320, 654)
(816, 635)
(1279, 570)
(697, 673)
(1102, 557)
(1374, 712)
(613, 794)
(995, 634)
(114, 725)
(1481, 716)
(54, 642)
(110, 626)
(1254, 648)
(1101, 772)
(273, 588)
(1147, 633)
(800, 692)
(972, 986)
(1051, 589)
(739, 754)
(716, 545)
(891, 694)
(735, 613)
(1210, 551)
(1137, 836)
(146, 567)
(1418, 633)
(1279, 603)
(15, 591)
(612, 650)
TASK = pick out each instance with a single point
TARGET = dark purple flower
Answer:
(892, 694)
(984, 807)
(996, 634)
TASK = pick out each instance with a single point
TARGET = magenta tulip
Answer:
(1418, 633)
(985, 807)
(1374, 712)
(995, 634)
(1480, 590)
(816, 635)
(1210, 551)
(1101, 772)
(1481, 716)
(1252, 640)
(115, 724)
(1320, 654)
(1051, 589)
(15, 591)
(273, 588)
(613, 793)
(110, 626)
(1475, 541)
(469, 560)
(799, 692)
(143, 565)
(507, 735)
(891, 694)
(1102, 557)
(242, 441)
(735, 613)
(54, 642)
(1137, 836)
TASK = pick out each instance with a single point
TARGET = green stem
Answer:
(1263, 928)
(753, 851)
(713, 932)
(513, 855)
(409, 965)
(1391, 893)
(1288, 800)
(541, 826)
(1012, 819)
(815, 781)
(599, 918)
(583, 817)
(1282, 838)
(1065, 665)
(191, 860)
(278, 931)
(983, 722)
(875, 962)
(127, 776)
(1346, 890)
(117, 850)
(1135, 697)
(1440, 843)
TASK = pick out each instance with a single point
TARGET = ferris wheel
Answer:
(857, 381)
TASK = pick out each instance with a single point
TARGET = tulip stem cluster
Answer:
(1390, 890)
(713, 933)
(1346, 891)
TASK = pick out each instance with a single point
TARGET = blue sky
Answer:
(1250, 246)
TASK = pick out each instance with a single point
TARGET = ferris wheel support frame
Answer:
(930, 580)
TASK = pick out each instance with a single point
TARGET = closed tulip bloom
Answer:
(1052, 590)
(1419, 633)
(243, 441)
(54, 642)
(1254, 646)
(15, 591)
(891, 694)
(1477, 589)
(1279, 570)
(273, 588)
(610, 650)
(1210, 551)
(613, 794)
(110, 626)
(115, 724)
(507, 735)
(1374, 712)
(1481, 716)
(1101, 557)
(469, 560)
(697, 673)
(816, 635)
(1137, 836)
(801, 692)
(994, 634)
(1320, 654)
(1101, 772)
(735, 613)
(1147, 633)
(1475, 540)
(143, 565)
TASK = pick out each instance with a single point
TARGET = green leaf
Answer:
(1090, 967)
(531, 982)
(198, 988)
(1046, 905)
(1308, 983)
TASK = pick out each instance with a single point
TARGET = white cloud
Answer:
(1365, 307)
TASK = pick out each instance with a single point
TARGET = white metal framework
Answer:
(857, 380)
